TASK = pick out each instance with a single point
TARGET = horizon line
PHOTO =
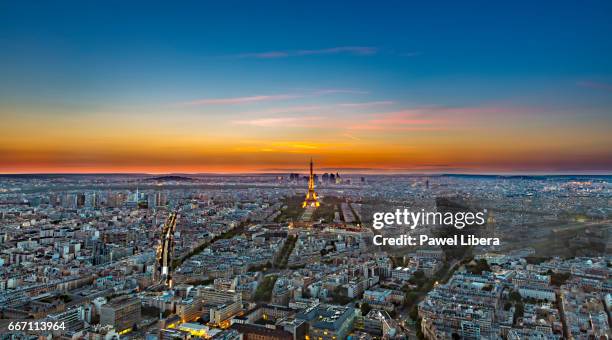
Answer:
(358, 172)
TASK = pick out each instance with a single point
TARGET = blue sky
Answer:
(76, 58)
(165, 47)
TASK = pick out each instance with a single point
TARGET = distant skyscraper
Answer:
(91, 200)
(80, 200)
(160, 199)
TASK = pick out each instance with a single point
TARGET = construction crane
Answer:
(165, 251)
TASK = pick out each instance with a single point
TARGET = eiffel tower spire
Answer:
(310, 166)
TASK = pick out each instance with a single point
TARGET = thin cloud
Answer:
(288, 109)
(410, 54)
(310, 108)
(434, 118)
(405, 120)
(266, 98)
(350, 50)
(412, 119)
(334, 91)
(366, 104)
(404, 127)
(265, 55)
(350, 136)
(288, 146)
(238, 100)
(400, 120)
(595, 85)
(357, 50)
(281, 121)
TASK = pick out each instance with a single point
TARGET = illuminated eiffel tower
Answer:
(312, 199)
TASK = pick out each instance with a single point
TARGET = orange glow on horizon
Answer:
(456, 141)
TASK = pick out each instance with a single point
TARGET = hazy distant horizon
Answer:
(373, 172)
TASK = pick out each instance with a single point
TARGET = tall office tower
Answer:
(80, 200)
(161, 199)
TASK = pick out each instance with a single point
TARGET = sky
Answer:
(229, 86)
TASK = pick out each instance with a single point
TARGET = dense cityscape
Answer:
(305, 170)
(251, 258)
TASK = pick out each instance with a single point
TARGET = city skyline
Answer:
(391, 88)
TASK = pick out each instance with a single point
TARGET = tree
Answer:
(480, 267)
(264, 290)
(365, 308)
(414, 312)
(515, 296)
(339, 296)
(536, 259)
(518, 312)
(411, 298)
(418, 278)
(558, 279)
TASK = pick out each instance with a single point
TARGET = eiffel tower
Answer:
(312, 199)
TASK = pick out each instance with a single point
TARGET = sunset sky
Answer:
(461, 87)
